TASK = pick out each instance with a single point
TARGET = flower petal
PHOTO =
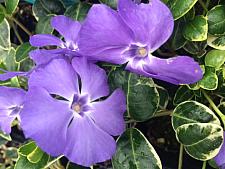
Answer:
(66, 27)
(8, 75)
(93, 78)
(6, 121)
(104, 35)
(177, 70)
(108, 114)
(42, 56)
(41, 40)
(58, 77)
(87, 144)
(45, 120)
(220, 158)
(11, 97)
(151, 23)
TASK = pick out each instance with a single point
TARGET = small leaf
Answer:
(22, 51)
(209, 80)
(202, 141)
(10, 60)
(78, 11)
(216, 20)
(215, 58)
(217, 42)
(26, 149)
(5, 35)
(142, 98)
(192, 112)
(180, 8)
(36, 155)
(134, 151)
(183, 94)
(196, 29)
(164, 97)
(43, 26)
(111, 3)
(196, 48)
(42, 8)
(11, 6)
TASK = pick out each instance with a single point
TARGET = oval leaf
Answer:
(180, 8)
(215, 58)
(134, 151)
(217, 42)
(22, 51)
(216, 20)
(196, 29)
(5, 35)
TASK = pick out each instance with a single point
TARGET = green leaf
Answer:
(10, 60)
(198, 129)
(26, 149)
(192, 112)
(196, 29)
(183, 94)
(44, 26)
(217, 42)
(36, 155)
(24, 163)
(22, 51)
(78, 11)
(202, 141)
(142, 98)
(11, 6)
(135, 152)
(5, 35)
(215, 58)
(142, 95)
(216, 20)
(177, 39)
(5, 136)
(180, 8)
(42, 8)
(209, 80)
(164, 97)
(111, 3)
(196, 48)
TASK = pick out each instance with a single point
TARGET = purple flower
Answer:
(11, 104)
(78, 125)
(220, 158)
(130, 35)
(68, 28)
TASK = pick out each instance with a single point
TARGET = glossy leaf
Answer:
(180, 8)
(182, 94)
(209, 80)
(192, 112)
(196, 29)
(78, 11)
(196, 48)
(11, 6)
(198, 129)
(215, 58)
(202, 141)
(142, 98)
(216, 20)
(43, 26)
(5, 35)
(217, 42)
(134, 151)
(42, 8)
(111, 3)
(22, 51)
(164, 97)
(10, 60)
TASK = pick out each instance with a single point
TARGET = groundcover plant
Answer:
(112, 84)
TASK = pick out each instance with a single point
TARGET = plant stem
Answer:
(222, 116)
(203, 6)
(181, 156)
(204, 165)
(21, 26)
(163, 113)
(52, 162)
(17, 34)
(207, 4)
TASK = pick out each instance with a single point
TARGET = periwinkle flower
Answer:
(11, 104)
(130, 35)
(220, 158)
(78, 124)
(68, 28)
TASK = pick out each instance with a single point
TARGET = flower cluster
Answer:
(65, 109)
